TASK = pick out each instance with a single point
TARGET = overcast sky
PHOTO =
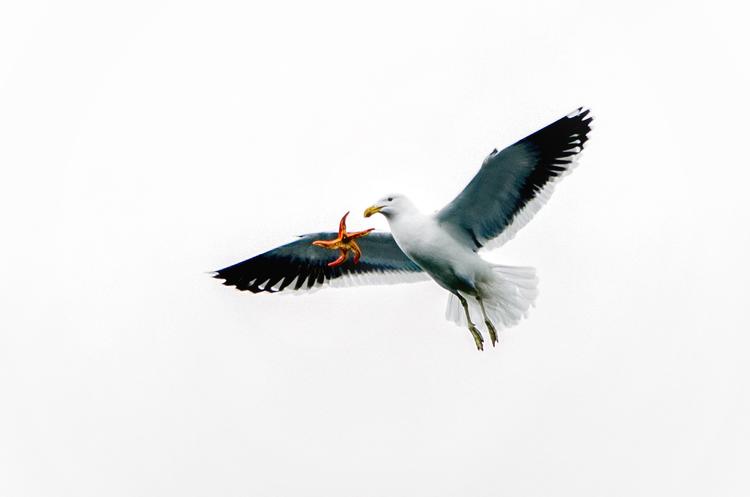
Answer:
(145, 143)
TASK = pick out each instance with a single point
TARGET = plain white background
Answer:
(145, 143)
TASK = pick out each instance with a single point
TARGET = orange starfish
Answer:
(344, 243)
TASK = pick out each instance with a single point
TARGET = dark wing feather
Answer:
(512, 184)
(299, 265)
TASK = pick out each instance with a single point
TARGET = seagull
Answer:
(510, 187)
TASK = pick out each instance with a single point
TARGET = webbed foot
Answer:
(492, 331)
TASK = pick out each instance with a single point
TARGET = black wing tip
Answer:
(580, 112)
(558, 145)
(246, 288)
(236, 281)
(567, 134)
(253, 275)
(582, 116)
(577, 125)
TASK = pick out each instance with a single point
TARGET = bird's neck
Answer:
(405, 220)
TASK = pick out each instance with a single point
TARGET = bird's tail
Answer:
(507, 297)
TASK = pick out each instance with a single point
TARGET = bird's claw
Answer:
(493, 332)
(478, 340)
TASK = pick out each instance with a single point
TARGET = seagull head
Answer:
(390, 205)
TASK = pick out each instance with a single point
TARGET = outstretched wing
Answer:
(512, 185)
(299, 265)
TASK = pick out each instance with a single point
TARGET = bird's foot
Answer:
(493, 332)
(478, 340)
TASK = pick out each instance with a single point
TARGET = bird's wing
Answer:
(299, 265)
(513, 184)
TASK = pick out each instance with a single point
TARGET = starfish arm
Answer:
(341, 259)
(342, 225)
(357, 251)
(358, 234)
(329, 244)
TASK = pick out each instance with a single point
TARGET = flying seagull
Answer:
(508, 190)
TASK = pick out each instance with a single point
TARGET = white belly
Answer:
(451, 264)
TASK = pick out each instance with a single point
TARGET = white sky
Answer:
(144, 143)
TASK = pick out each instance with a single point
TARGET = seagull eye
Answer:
(390, 199)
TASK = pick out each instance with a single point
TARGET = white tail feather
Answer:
(507, 298)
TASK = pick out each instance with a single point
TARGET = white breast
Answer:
(451, 264)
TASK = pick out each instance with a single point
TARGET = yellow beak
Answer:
(373, 209)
